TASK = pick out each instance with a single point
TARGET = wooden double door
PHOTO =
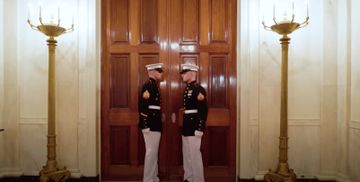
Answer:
(139, 32)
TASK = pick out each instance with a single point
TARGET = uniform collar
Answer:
(192, 83)
(152, 79)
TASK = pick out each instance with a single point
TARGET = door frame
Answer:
(237, 92)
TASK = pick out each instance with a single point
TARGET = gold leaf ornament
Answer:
(146, 95)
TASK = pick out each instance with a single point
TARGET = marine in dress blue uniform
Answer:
(149, 106)
(195, 109)
(195, 115)
(150, 120)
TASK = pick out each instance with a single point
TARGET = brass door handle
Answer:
(173, 117)
(163, 117)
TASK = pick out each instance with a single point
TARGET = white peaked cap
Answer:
(154, 66)
(189, 67)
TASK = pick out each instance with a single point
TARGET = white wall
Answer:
(343, 86)
(25, 70)
(323, 92)
(1, 79)
(11, 162)
(354, 126)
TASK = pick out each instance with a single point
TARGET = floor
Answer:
(96, 179)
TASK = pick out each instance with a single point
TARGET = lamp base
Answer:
(58, 175)
(277, 177)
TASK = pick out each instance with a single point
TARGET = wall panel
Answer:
(119, 28)
(2, 87)
(120, 84)
(312, 100)
(217, 139)
(355, 65)
(354, 81)
(26, 80)
(33, 136)
(354, 148)
(217, 81)
(119, 145)
(190, 21)
(218, 22)
(149, 21)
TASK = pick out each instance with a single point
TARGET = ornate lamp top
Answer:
(50, 29)
(286, 26)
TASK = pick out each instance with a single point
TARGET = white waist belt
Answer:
(154, 107)
(191, 111)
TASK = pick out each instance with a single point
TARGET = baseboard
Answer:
(331, 176)
(10, 172)
(298, 180)
(260, 175)
(36, 179)
(75, 173)
(326, 175)
(260, 178)
(342, 178)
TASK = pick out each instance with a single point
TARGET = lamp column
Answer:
(51, 171)
(283, 148)
(283, 173)
(51, 163)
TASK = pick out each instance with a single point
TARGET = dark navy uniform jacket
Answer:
(149, 106)
(195, 103)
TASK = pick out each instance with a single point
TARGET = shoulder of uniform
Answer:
(201, 93)
(145, 83)
(145, 86)
(146, 90)
(149, 82)
(198, 86)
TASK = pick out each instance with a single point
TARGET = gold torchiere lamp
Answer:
(51, 171)
(283, 173)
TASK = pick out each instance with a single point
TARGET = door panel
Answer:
(204, 34)
(140, 32)
(131, 34)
